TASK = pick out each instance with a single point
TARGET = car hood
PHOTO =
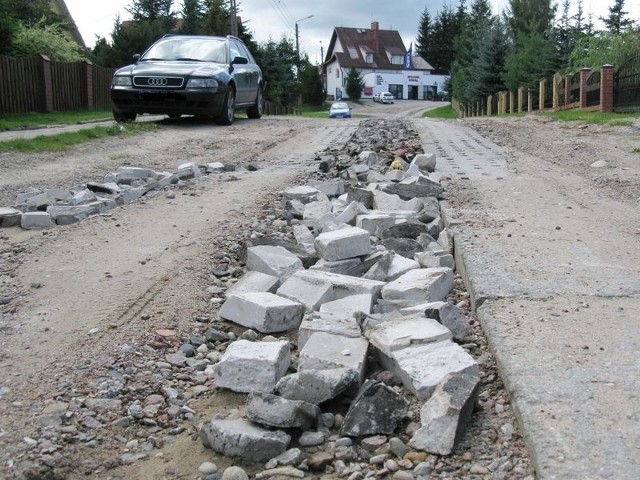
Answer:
(186, 69)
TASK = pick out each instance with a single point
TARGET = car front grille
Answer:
(158, 82)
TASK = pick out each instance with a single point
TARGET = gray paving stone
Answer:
(420, 285)
(273, 260)
(341, 323)
(452, 317)
(263, 311)
(68, 214)
(247, 366)
(349, 305)
(339, 266)
(385, 201)
(35, 220)
(317, 386)
(316, 209)
(350, 213)
(274, 411)
(245, 440)
(404, 332)
(344, 285)
(387, 271)
(311, 292)
(254, 281)
(375, 222)
(326, 351)
(9, 217)
(343, 243)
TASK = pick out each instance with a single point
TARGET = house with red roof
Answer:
(383, 62)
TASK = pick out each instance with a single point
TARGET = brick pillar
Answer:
(543, 93)
(606, 88)
(47, 90)
(584, 76)
(88, 69)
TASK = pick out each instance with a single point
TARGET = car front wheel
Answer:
(228, 108)
(122, 117)
(255, 111)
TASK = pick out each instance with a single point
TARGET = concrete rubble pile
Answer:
(36, 209)
(365, 329)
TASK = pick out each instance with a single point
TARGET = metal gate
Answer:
(626, 95)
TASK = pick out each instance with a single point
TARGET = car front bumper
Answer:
(188, 102)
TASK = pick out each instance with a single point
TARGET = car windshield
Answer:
(188, 50)
(339, 106)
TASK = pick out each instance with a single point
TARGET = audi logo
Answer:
(157, 81)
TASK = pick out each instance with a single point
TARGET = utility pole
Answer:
(234, 18)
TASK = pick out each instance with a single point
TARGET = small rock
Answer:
(208, 468)
(235, 473)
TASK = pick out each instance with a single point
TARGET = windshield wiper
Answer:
(152, 59)
(187, 59)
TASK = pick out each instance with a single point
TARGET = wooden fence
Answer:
(584, 89)
(37, 84)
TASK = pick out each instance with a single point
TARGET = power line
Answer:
(275, 5)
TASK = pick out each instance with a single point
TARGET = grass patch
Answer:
(636, 150)
(597, 118)
(33, 120)
(445, 112)
(63, 141)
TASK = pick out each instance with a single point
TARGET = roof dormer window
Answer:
(369, 58)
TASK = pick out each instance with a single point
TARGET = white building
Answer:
(382, 60)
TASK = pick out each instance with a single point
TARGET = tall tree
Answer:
(354, 84)
(445, 30)
(311, 87)
(8, 28)
(277, 61)
(192, 16)
(533, 60)
(33, 12)
(528, 16)
(618, 20)
(216, 18)
(423, 40)
(564, 35)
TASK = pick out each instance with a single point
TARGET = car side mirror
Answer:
(136, 57)
(239, 61)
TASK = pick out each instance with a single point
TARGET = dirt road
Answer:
(81, 299)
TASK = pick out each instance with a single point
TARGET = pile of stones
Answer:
(35, 209)
(364, 290)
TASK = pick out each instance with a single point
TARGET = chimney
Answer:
(375, 44)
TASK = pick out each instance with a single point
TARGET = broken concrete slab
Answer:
(340, 266)
(360, 195)
(420, 285)
(406, 247)
(330, 189)
(340, 323)
(317, 386)
(254, 281)
(351, 212)
(245, 440)
(311, 292)
(446, 415)
(9, 217)
(452, 317)
(425, 161)
(395, 267)
(403, 230)
(344, 285)
(349, 305)
(274, 411)
(377, 410)
(385, 201)
(303, 193)
(252, 366)
(316, 209)
(435, 259)
(35, 220)
(422, 368)
(404, 332)
(418, 189)
(263, 311)
(83, 196)
(67, 215)
(273, 260)
(304, 237)
(215, 167)
(369, 158)
(375, 222)
(127, 175)
(324, 351)
(343, 243)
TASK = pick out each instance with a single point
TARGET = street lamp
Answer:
(297, 41)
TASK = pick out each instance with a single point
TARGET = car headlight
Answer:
(202, 83)
(121, 81)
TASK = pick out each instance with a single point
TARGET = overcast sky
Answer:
(275, 18)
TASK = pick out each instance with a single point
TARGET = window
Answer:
(337, 73)
(397, 59)
(369, 58)
(353, 53)
(396, 91)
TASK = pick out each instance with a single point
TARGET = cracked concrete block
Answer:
(330, 189)
(452, 317)
(404, 229)
(273, 260)
(304, 237)
(435, 259)
(252, 366)
(325, 351)
(66, 215)
(421, 368)
(9, 217)
(245, 440)
(83, 196)
(109, 188)
(445, 239)
(343, 243)
(418, 286)
(195, 169)
(404, 332)
(129, 174)
(263, 311)
(215, 167)
(23, 197)
(350, 214)
(395, 267)
(377, 410)
(317, 386)
(369, 158)
(425, 161)
(311, 292)
(316, 209)
(395, 175)
(385, 201)
(445, 417)
(254, 281)
(35, 220)
(344, 285)
(349, 305)
(339, 266)
(274, 411)
(335, 323)
(375, 222)
(304, 193)
(130, 195)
